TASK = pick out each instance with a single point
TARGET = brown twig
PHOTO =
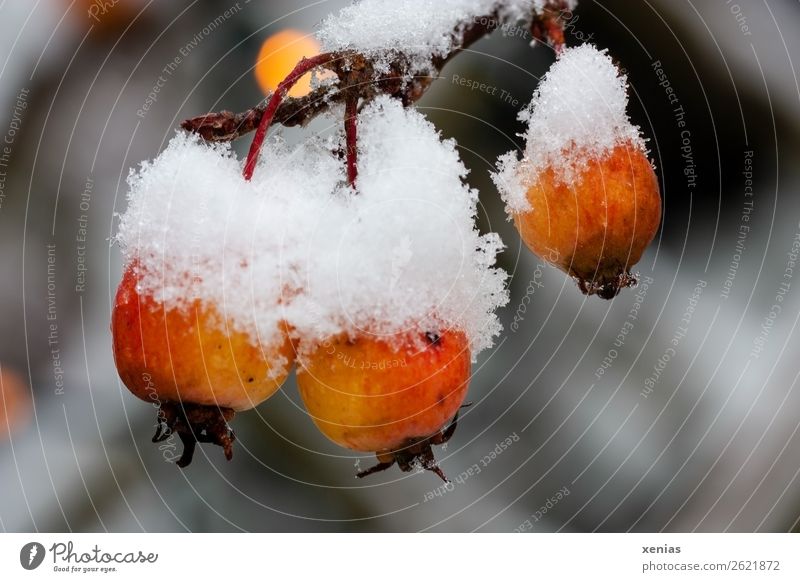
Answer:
(356, 73)
(226, 126)
(350, 128)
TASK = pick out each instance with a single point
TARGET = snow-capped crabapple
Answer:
(392, 396)
(598, 226)
(185, 362)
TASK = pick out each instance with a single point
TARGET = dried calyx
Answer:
(194, 424)
(415, 453)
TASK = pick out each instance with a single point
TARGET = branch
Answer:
(357, 74)
(351, 128)
(228, 126)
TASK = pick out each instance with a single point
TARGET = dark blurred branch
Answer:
(356, 73)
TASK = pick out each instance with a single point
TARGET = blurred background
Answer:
(688, 422)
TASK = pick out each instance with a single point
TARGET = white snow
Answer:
(578, 113)
(199, 231)
(298, 245)
(418, 29)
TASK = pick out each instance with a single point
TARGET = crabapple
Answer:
(187, 363)
(392, 396)
(596, 227)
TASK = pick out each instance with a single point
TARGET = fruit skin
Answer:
(599, 227)
(366, 395)
(170, 355)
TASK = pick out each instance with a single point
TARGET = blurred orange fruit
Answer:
(15, 403)
(278, 56)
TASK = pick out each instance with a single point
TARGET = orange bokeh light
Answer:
(278, 56)
(15, 402)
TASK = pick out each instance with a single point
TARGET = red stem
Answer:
(350, 129)
(303, 67)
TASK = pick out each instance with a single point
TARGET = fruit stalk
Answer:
(303, 67)
(547, 28)
(350, 127)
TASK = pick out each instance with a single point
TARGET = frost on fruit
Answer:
(298, 245)
(418, 30)
(578, 113)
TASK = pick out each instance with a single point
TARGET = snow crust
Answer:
(578, 113)
(297, 245)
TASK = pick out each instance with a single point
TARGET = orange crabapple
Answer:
(596, 227)
(393, 396)
(184, 361)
